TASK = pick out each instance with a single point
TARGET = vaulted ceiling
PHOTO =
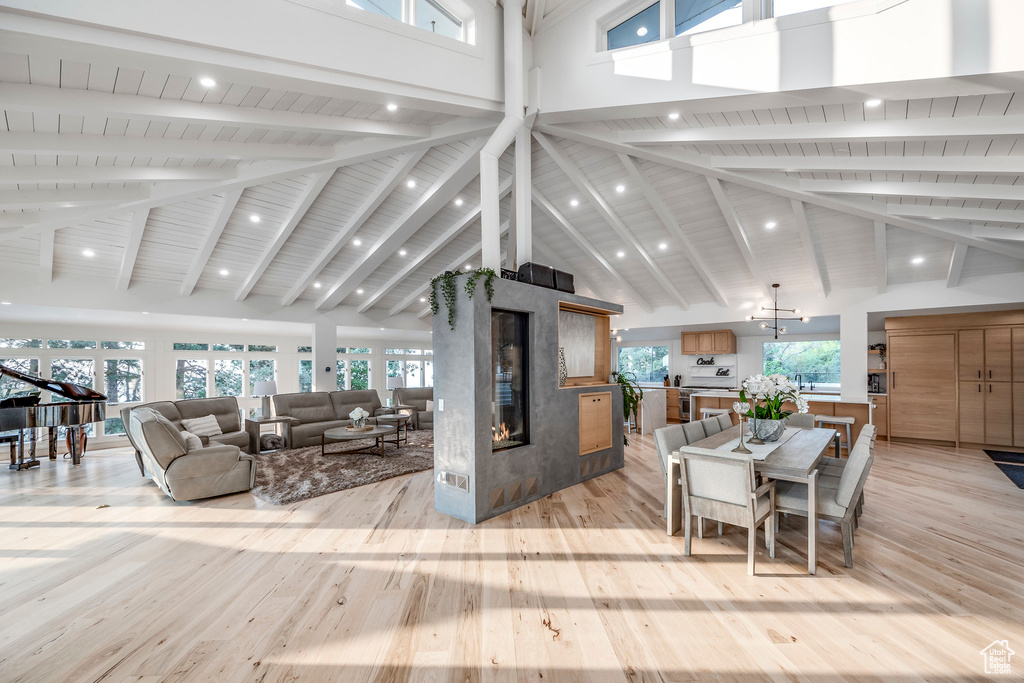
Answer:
(159, 178)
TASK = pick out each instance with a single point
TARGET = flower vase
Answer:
(359, 424)
(770, 430)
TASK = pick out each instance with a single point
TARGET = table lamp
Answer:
(266, 390)
(394, 383)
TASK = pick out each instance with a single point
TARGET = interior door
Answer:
(998, 414)
(922, 386)
(972, 412)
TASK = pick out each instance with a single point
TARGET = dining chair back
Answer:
(666, 441)
(711, 426)
(694, 432)
(720, 485)
(801, 420)
(724, 420)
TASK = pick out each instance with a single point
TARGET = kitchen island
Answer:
(818, 404)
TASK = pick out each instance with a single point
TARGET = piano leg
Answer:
(53, 442)
(17, 444)
(76, 441)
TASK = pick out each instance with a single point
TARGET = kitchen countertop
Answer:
(824, 398)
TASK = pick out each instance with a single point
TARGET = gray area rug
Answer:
(288, 476)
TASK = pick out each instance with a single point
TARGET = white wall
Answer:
(845, 46)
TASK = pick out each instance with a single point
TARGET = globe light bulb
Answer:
(750, 318)
(805, 319)
(782, 330)
(763, 326)
(796, 311)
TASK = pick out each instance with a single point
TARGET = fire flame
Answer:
(502, 434)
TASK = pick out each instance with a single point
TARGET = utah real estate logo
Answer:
(997, 657)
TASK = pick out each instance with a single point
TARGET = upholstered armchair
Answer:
(417, 397)
(183, 474)
(720, 485)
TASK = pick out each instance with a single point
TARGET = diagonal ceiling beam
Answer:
(437, 245)
(16, 175)
(1012, 234)
(783, 187)
(882, 164)
(956, 265)
(136, 228)
(880, 130)
(739, 235)
(535, 14)
(370, 204)
(881, 258)
(227, 207)
(610, 217)
(34, 199)
(443, 190)
(668, 220)
(421, 291)
(46, 240)
(121, 145)
(305, 200)
(42, 99)
(589, 249)
(343, 155)
(810, 253)
(956, 213)
(1009, 193)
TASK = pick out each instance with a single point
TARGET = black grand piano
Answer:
(25, 412)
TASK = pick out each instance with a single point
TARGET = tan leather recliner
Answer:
(182, 474)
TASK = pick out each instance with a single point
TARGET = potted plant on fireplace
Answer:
(767, 394)
(632, 394)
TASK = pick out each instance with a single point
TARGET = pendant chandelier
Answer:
(772, 322)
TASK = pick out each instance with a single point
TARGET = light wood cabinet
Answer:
(922, 386)
(972, 412)
(998, 363)
(1017, 343)
(672, 405)
(998, 414)
(595, 422)
(971, 355)
(1018, 414)
(713, 341)
(880, 415)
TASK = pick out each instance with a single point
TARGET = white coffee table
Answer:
(376, 433)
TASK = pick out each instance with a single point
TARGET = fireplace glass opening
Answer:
(509, 367)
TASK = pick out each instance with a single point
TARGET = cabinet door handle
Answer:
(979, 388)
(990, 374)
(979, 374)
(990, 388)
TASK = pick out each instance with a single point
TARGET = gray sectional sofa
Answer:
(417, 397)
(225, 409)
(315, 412)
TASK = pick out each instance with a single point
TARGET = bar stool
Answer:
(708, 412)
(844, 420)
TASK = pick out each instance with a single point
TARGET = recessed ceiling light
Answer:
(5, 303)
(458, 201)
(317, 285)
(674, 115)
(88, 252)
(145, 313)
(359, 291)
(402, 252)
(642, 31)
(574, 202)
(223, 271)
(382, 329)
(207, 82)
(917, 260)
(770, 224)
(625, 329)
(254, 218)
(392, 107)
(245, 320)
(411, 184)
(872, 102)
(469, 267)
(620, 188)
(620, 254)
(423, 299)
(663, 246)
(357, 242)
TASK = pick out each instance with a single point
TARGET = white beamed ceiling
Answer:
(841, 245)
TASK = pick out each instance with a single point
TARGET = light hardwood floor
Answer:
(104, 578)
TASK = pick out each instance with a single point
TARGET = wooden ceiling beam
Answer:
(1006, 193)
(1011, 165)
(739, 235)
(136, 228)
(956, 265)
(810, 249)
(18, 175)
(46, 240)
(881, 257)
(227, 206)
(68, 198)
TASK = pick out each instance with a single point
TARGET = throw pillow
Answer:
(203, 426)
(430, 406)
(193, 442)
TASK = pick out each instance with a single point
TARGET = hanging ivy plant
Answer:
(449, 291)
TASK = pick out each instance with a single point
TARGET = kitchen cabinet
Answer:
(922, 386)
(710, 342)
(998, 414)
(998, 364)
(880, 415)
(1018, 414)
(971, 355)
(1017, 344)
(595, 422)
(972, 412)
(672, 406)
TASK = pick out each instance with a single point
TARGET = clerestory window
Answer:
(429, 15)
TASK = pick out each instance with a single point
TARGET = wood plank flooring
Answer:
(103, 578)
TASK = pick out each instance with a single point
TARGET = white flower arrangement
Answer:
(775, 390)
(359, 414)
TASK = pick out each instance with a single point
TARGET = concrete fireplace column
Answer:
(853, 355)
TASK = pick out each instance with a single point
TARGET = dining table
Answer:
(795, 460)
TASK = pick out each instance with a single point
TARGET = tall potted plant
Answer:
(766, 394)
(632, 394)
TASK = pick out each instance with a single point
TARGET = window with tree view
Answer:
(648, 363)
(816, 362)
